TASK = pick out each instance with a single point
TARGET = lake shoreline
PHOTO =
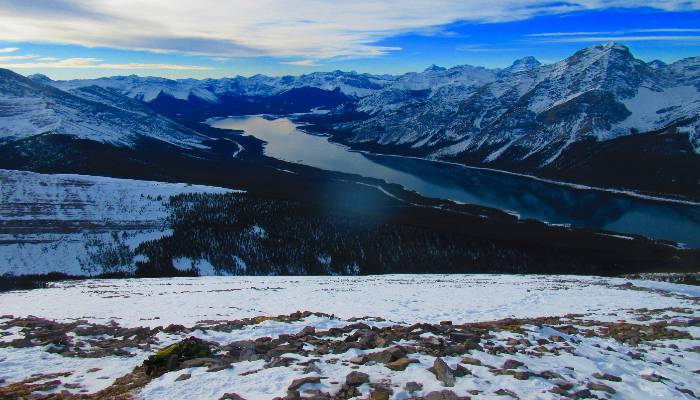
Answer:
(573, 185)
(550, 202)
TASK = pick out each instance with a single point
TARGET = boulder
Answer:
(231, 396)
(601, 387)
(443, 372)
(411, 386)
(183, 377)
(380, 393)
(297, 383)
(607, 377)
(512, 364)
(356, 378)
(443, 395)
(170, 358)
(401, 363)
(471, 361)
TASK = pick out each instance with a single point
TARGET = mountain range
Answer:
(599, 117)
(30, 109)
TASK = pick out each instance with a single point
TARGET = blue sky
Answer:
(74, 39)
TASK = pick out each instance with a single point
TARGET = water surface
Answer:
(528, 197)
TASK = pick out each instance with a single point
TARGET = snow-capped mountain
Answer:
(431, 84)
(148, 89)
(30, 108)
(529, 113)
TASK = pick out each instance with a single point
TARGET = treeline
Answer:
(241, 234)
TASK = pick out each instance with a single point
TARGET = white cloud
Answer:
(556, 34)
(49, 62)
(308, 29)
(620, 32)
(667, 30)
(644, 38)
(8, 49)
(13, 58)
(302, 63)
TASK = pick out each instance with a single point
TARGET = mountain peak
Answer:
(614, 52)
(41, 78)
(656, 64)
(524, 64)
(435, 68)
(608, 48)
(614, 46)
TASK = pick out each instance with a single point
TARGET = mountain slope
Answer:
(29, 108)
(529, 115)
(534, 112)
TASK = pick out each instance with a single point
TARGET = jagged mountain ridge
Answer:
(531, 113)
(29, 108)
(147, 89)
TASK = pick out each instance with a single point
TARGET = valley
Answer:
(526, 197)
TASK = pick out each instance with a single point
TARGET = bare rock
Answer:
(231, 396)
(600, 387)
(387, 355)
(358, 360)
(380, 393)
(443, 372)
(356, 378)
(411, 387)
(297, 383)
(652, 377)
(311, 368)
(607, 377)
(506, 392)
(443, 395)
(401, 363)
(522, 375)
(471, 361)
(217, 368)
(512, 364)
(183, 377)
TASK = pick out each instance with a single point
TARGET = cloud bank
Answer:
(36, 62)
(306, 29)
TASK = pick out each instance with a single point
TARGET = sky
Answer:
(68, 39)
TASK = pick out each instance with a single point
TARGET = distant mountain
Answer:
(148, 89)
(198, 99)
(29, 108)
(532, 112)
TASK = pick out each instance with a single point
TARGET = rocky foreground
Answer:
(606, 353)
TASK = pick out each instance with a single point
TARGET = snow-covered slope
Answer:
(51, 222)
(529, 113)
(434, 84)
(29, 108)
(377, 337)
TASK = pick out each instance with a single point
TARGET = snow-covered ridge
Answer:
(404, 299)
(29, 108)
(33, 196)
(49, 221)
